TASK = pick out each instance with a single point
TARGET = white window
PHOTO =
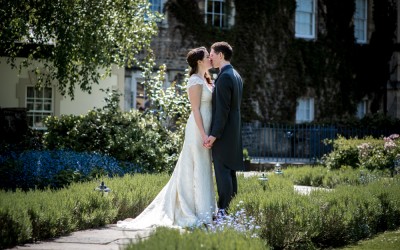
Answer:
(305, 19)
(362, 109)
(156, 5)
(40, 105)
(360, 21)
(305, 110)
(215, 13)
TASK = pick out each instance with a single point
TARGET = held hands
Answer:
(209, 141)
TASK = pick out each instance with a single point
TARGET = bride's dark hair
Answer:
(192, 57)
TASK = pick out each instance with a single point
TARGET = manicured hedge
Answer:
(279, 216)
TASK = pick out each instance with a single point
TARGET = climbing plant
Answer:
(372, 63)
(279, 68)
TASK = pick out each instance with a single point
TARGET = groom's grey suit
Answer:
(226, 126)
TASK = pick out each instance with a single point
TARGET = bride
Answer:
(189, 197)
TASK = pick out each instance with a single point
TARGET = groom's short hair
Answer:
(224, 48)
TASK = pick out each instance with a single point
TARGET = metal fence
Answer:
(297, 143)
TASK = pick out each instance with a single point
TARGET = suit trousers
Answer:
(226, 184)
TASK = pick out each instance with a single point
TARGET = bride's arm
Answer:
(195, 101)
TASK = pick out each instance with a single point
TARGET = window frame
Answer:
(364, 21)
(36, 112)
(223, 23)
(362, 109)
(160, 7)
(313, 18)
(307, 114)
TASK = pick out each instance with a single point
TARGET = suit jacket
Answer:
(226, 124)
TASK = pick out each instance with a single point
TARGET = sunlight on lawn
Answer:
(389, 240)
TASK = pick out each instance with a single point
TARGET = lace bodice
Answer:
(207, 90)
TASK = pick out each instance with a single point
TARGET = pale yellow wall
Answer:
(8, 82)
(83, 102)
(10, 79)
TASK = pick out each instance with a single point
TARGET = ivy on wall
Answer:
(373, 70)
(278, 68)
(191, 25)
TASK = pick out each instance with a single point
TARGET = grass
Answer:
(389, 240)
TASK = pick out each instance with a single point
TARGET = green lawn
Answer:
(389, 240)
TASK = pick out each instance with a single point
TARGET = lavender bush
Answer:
(57, 168)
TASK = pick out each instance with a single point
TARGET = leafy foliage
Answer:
(134, 137)
(367, 153)
(169, 105)
(344, 153)
(382, 156)
(74, 39)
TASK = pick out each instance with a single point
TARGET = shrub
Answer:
(56, 168)
(150, 139)
(43, 214)
(134, 137)
(16, 226)
(344, 152)
(173, 239)
(380, 156)
(348, 214)
(368, 153)
(287, 220)
(320, 176)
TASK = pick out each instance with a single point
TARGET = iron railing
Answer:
(302, 143)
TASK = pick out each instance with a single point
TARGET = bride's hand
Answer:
(205, 141)
(204, 138)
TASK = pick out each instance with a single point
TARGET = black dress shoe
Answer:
(221, 214)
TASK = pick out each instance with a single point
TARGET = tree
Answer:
(73, 39)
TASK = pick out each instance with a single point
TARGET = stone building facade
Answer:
(171, 49)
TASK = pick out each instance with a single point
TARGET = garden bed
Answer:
(279, 216)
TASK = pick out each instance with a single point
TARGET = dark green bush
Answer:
(134, 137)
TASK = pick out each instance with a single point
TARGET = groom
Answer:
(225, 137)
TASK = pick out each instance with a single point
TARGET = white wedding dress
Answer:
(189, 197)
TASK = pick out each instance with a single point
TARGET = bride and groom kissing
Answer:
(212, 135)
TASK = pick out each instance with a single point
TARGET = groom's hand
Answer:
(210, 141)
(206, 143)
